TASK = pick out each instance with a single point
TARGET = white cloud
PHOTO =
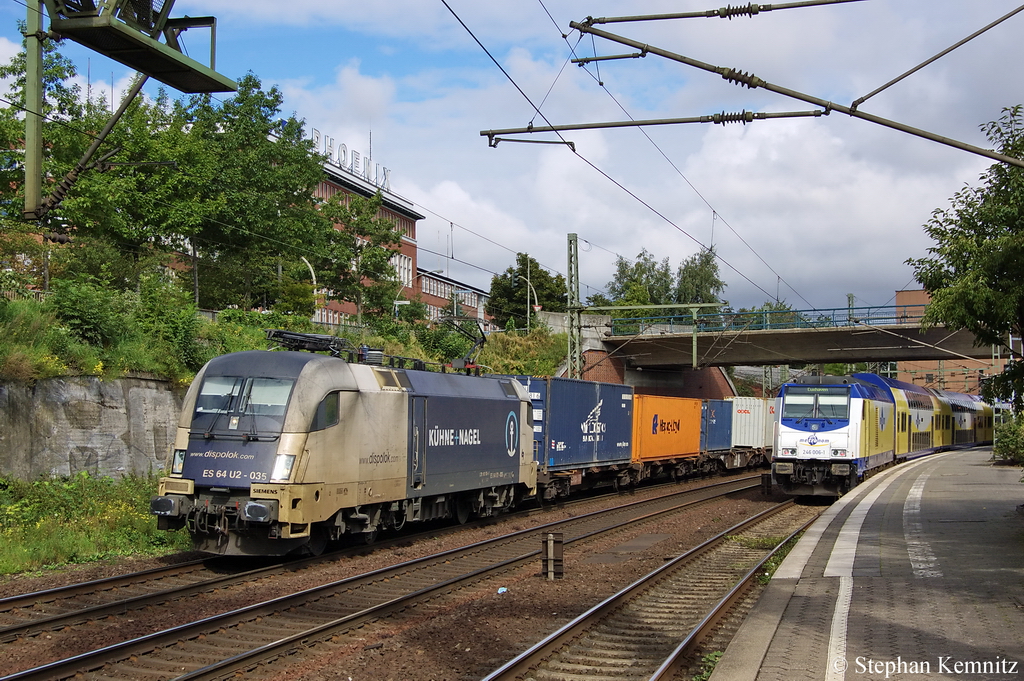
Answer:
(834, 204)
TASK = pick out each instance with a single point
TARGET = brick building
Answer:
(350, 173)
(956, 373)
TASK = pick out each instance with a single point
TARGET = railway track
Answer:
(650, 629)
(53, 609)
(240, 640)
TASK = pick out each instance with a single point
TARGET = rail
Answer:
(761, 320)
(288, 622)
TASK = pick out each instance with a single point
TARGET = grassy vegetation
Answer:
(49, 523)
(773, 563)
(85, 329)
(707, 665)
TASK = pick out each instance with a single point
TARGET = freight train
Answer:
(280, 452)
(833, 431)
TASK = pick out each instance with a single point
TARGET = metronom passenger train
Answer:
(835, 430)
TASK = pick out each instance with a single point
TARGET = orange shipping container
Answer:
(665, 428)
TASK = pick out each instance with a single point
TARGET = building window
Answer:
(403, 268)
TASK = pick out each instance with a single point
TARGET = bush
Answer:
(94, 314)
(540, 353)
(1009, 442)
(26, 353)
(79, 519)
(267, 320)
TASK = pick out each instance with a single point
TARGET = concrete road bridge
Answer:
(857, 334)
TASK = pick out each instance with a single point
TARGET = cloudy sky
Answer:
(806, 209)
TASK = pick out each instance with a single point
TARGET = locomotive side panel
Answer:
(468, 433)
(470, 443)
(878, 435)
(363, 455)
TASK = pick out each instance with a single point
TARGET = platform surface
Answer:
(917, 574)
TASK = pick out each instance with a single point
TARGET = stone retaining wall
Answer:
(62, 426)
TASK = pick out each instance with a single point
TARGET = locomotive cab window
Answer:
(238, 403)
(326, 413)
(797, 406)
(266, 396)
(218, 394)
(830, 402)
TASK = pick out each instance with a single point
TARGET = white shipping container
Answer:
(749, 417)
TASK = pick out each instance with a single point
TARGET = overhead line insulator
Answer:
(728, 12)
(742, 78)
(743, 117)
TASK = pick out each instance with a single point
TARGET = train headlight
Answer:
(178, 464)
(839, 452)
(283, 467)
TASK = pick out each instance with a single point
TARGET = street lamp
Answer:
(412, 285)
(535, 301)
(400, 302)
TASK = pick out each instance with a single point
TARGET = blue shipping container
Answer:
(716, 425)
(580, 423)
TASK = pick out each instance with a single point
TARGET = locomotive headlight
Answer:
(839, 452)
(179, 461)
(283, 467)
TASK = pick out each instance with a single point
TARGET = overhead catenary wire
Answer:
(220, 100)
(593, 166)
(704, 199)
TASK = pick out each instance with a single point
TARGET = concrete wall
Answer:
(709, 383)
(63, 426)
(601, 365)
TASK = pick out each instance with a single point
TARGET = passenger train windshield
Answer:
(816, 402)
(242, 403)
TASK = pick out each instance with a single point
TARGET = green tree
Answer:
(355, 262)
(244, 188)
(975, 271)
(770, 314)
(642, 279)
(296, 297)
(646, 281)
(64, 140)
(697, 280)
(232, 183)
(515, 290)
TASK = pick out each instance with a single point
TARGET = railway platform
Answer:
(917, 574)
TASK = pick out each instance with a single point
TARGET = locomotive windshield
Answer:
(237, 403)
(816, 402)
